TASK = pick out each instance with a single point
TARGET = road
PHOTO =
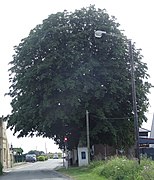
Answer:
(35, 171)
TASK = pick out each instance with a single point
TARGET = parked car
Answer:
(31, 158)
(55, 156)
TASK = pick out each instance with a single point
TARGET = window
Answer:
(83, 155)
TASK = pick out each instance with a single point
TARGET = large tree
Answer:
(61, 69)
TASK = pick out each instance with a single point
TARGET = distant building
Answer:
(5, 154)
(147, 142)
(143, 133)
(144, 139)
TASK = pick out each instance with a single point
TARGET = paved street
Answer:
(35, 171)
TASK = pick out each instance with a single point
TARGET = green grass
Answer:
(113, 169)
(80, 173)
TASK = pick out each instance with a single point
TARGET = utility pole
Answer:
(136, 126)
(66, 152)
(45, 148)
(88, 140)
(99, 34)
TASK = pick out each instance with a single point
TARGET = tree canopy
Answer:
(17, 151)
(61, 70)
(36, 152)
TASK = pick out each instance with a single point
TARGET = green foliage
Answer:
(61, 69)
(51, 155)
(124, 169)
(147, 171)
(60, 155)
(119, 169)
(37, 153)
(113, 169)
(41, 158)
(1, 168)
(18, 151)
(19, 158)
(46, 158)
(80, 173)
(95, 164)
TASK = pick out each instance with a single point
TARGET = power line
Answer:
(111, 117)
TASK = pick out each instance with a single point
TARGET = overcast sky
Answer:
(18, 17)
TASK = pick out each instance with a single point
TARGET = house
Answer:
(143, 133)
(6, 156)
(103, 151)
(152, 132)
(147, 142)
(144, 139)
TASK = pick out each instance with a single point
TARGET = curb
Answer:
(19, 164)
(61, 175)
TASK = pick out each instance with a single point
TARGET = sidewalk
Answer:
(14, 165)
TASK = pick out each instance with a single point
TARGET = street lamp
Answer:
(99, 34)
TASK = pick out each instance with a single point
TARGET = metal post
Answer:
(134, 103)
(12, 155)
(63, 158)
(66, 152)
(88, 140)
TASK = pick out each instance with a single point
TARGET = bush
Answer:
(51, 156)
(119, 169)
(1, 168)
(60, 155)
(46, 157)
(95, 164)
(147, 169)
(41, 158)
(125, 169)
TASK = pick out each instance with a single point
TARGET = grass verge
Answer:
(113, 169)
(80, 173)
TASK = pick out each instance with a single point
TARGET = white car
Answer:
(30, 158)
(55, 156)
